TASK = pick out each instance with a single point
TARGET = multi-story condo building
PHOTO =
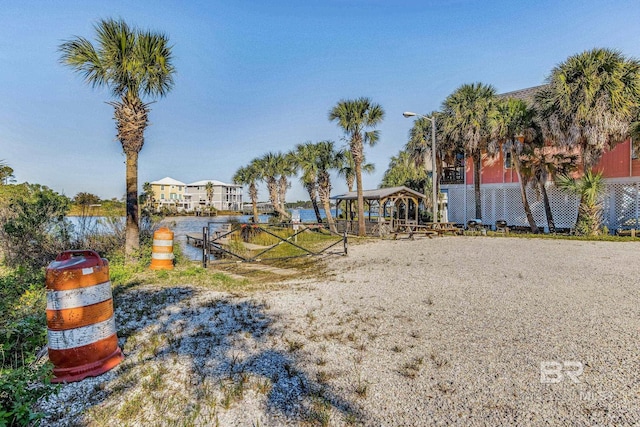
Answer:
(217, 194)
(169, 193)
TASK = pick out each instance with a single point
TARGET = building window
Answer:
(162, 196)
(634, 150)
(162, 187)
(508, 164)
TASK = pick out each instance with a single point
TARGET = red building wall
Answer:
(616, 163)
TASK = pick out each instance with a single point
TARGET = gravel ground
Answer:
(445, 331)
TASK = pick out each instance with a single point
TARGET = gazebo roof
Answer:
(380, 193)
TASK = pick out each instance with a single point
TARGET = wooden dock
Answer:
(215, 247)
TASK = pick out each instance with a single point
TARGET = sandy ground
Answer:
(444, 331)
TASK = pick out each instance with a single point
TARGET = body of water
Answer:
(183, 225)
(308, 215)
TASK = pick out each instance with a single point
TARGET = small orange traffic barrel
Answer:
(81, 329)
(162, 250)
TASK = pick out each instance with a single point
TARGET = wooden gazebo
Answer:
(387, 209)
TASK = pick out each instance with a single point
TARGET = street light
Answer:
(434, 177)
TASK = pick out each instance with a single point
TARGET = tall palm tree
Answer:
(347, 168)
(132, 64)
(589, 102)
(466, 121)
(267, 165)
(271, 167)
(287, 167)
(513, 126)
(307, 161)
(358, 118)
(327, 159)
(250, 175)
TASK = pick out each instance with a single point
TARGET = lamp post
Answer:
(434, 195)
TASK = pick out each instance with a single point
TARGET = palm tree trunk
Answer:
(282, 193)
(132, 231)
(253, 193)
(325, 192)
(272, 187)
(327, 208)
(523, 193)
(311, 189)
(547, 207)
(362, 230)
(477, 160)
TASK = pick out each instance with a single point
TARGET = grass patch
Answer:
(320, 411)
(233, 390)
(125, 277)
(600, 238)
(397, 349)
(131, 408)
(294, 345)
(412, 368)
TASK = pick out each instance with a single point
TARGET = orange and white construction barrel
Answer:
(162, 250)
(81, 329)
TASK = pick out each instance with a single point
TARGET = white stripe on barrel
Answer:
(78, 337)
(79, 297)
(157, 242)
(156, 255)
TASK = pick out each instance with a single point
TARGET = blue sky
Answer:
(258, 76)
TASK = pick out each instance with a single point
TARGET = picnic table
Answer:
(428, 229)
(443, 227)
(412, 228)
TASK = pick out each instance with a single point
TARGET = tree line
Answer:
(357, 118)
(313, 162)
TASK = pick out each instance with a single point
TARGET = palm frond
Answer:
(128, 61)
(590, 101)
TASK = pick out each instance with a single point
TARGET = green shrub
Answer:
(23, 324)
(22, 334)
(32, 225)
(20, 388)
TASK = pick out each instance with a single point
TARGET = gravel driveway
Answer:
(444, 331)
